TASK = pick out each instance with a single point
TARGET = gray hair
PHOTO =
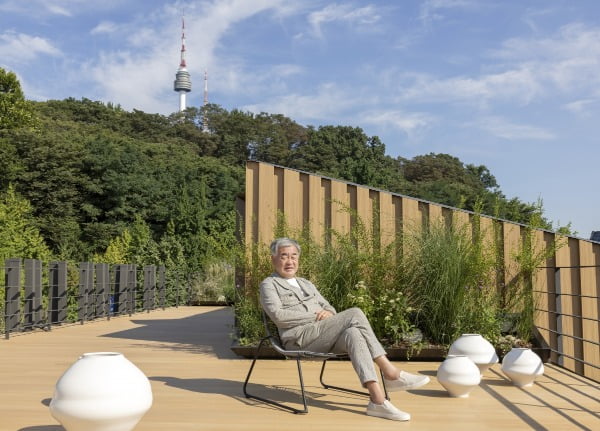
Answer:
(283, 242)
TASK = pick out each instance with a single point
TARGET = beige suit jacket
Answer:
(288, 308)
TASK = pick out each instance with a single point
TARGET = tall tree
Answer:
(15, 111)
(19, 236)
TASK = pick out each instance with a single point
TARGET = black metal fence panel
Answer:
(41, 297)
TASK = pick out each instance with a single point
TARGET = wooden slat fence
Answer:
(566, 287)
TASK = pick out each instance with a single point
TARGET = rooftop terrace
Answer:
(197, 383)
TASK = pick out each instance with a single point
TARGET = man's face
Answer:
(285, 262)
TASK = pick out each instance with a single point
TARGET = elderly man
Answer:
(306, 320)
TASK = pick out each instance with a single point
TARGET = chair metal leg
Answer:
(353, 391)
(275, 403)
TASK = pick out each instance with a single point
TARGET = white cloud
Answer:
(504, 129)
(22, 48)
(406, 122)
(515, 85)
(56, 9)
(568, 61)
(104, 27)
(522, 71)
(581, 107)
(40, 8)
(327, 102)
(360, 16)
(431, 10)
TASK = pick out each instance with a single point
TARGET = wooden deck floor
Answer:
(197, 383)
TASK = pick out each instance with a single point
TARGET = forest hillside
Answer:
(81, 179)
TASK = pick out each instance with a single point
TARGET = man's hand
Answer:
(323, 314)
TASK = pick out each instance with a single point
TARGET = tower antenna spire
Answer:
(204, 119)
(183, 83)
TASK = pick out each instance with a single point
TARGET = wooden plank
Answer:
(568, 305)
(411, 216)
(364, 207)
(267, 198)
(251, 203)
(462, 222)
(293, 199)
(486, 232)
(340, 204)
(387, 219)
(511, 240)
(316, 212)
(589, 255)
(436, 217)
(543, 287)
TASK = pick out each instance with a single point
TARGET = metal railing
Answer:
(571, 325)
(38, 296)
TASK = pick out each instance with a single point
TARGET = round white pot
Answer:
(522, 366)
(477, 348)
(458, 375)
(101, 391)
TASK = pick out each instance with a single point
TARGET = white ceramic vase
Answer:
(458, 375)
(101, 391)
(522, 366)
(477, 348)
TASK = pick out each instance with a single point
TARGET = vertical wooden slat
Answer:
(387, 219)
(327, 208)
(589, 256)
(511, 234)
(543, 291)
(565, 322)
(462, 222)
(267, 195)
(364, 208)
(251, 203)
(435, 215)
(340, 200)
(292, 199)
(316, 217)
(304, 184)
(411, 216)
(486, 232)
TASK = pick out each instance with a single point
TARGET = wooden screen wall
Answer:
(319, 201)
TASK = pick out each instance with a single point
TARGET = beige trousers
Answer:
(346, 332)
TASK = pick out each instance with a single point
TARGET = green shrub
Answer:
(449, 276)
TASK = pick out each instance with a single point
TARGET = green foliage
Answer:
(451, 284)
(518, 295)
(19, 236)
(217, 285)
(15, 111)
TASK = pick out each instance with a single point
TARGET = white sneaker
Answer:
(386, 411)
(406, 381)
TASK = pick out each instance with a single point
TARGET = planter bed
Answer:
(427, 353)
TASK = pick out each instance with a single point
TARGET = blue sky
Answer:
(510, 84)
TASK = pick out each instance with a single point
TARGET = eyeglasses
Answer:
(286, 256)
